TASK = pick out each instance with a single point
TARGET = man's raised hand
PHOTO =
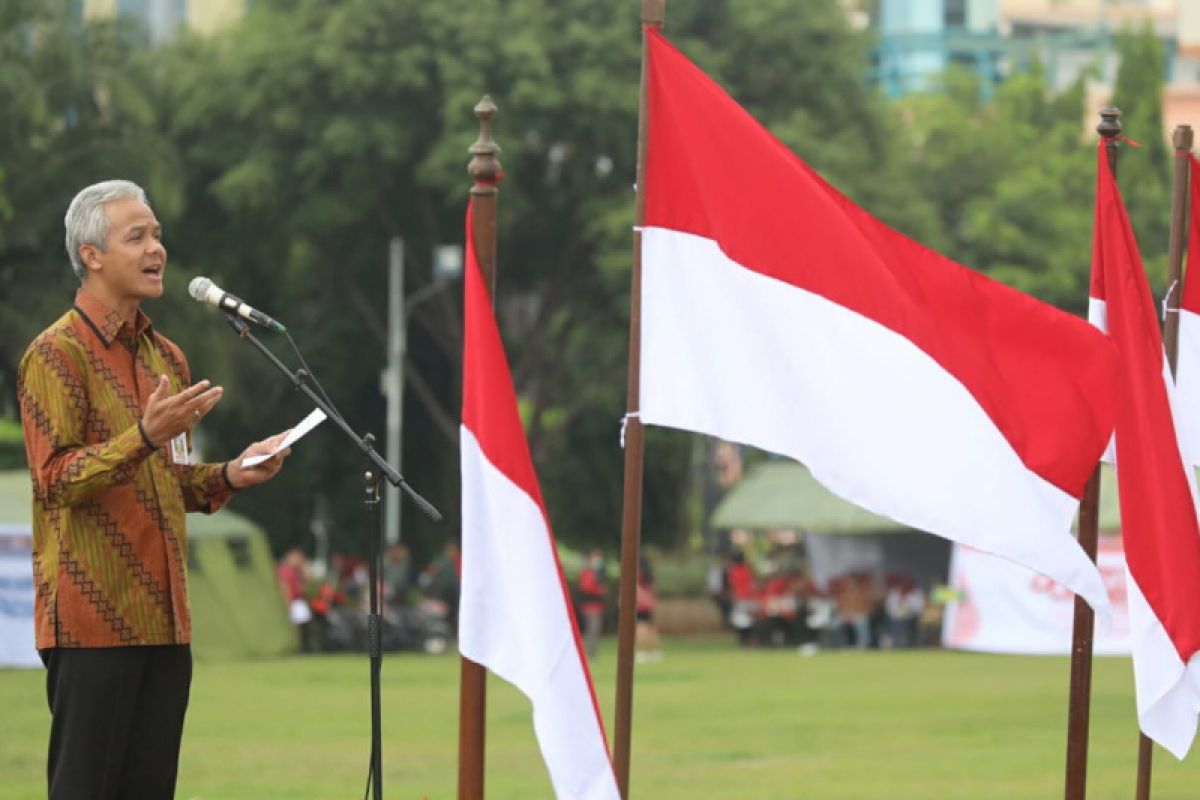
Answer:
(168, 415)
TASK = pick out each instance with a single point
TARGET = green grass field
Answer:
(710, 721)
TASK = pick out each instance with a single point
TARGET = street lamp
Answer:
(447, 266)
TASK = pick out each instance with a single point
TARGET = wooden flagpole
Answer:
(653, 15)
(1078, 710)
(1182, 139)
(484, 170)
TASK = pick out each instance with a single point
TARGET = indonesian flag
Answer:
(1187, 364)
(1157, 490)
(515, 614)
(778, 314)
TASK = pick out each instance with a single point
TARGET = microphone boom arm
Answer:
(297, 380)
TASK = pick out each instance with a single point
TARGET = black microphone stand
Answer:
(371, 499)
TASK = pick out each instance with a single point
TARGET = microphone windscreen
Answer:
(198, 287)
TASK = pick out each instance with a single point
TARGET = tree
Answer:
(283, 153)
(1011, 179)
(360, 113)
(76, 111)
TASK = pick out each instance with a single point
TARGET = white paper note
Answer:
(307, 424)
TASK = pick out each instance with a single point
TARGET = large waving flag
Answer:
(515, 614)
(778, 314)
(1187, 365)
(1157, 490)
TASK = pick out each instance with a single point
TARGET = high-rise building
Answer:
(163, 18)
(918, 39)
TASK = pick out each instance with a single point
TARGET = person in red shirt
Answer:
(743, 589)
(592, 591)
(292, 581)
(646, 642)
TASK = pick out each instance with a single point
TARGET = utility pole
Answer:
(447, 266)
(393, 383)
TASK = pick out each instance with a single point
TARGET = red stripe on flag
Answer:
(489, 402)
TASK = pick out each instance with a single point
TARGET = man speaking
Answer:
(108, 407)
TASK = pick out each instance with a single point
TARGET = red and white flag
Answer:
(1157, 489)
(1187, 363)
(515, 615)
(777, 313)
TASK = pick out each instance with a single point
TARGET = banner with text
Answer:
(17, 647)
(1000, 607)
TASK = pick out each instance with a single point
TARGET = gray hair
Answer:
(86, 221)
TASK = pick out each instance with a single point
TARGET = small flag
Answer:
(515, 614)
(1157, 487)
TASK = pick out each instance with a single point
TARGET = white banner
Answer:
(1004, 608)
(17, 648)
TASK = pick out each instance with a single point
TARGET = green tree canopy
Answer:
(75, 108)
(285, 152)
(314, 131)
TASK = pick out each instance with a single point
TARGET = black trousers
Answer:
(117, 720)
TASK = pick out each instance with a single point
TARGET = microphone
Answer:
(203, 290)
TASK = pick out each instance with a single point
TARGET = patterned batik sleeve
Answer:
(205, 487)
(55, 412)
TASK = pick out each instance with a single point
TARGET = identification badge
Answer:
(179, 449)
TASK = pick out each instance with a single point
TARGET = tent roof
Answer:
(15, 500)
(16, 510)
(781, 493)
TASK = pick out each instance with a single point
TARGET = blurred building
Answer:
(164, 18)
(918, 39)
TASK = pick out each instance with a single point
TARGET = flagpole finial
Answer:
(654, 12)
(1110, 122)
(1182, 138)
(484, 168)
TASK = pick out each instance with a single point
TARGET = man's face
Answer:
(131, 265)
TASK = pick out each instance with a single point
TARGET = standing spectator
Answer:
(292, 578)
(780, 608)
(856, 603)
(441, 578)
(397, 575)
(108, 407)
(646, 643)
(744, 594)
(718, 587)
(349, 576)
(592, 591)
(905, 603)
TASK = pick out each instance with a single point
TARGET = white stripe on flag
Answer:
(513, 619)
(1168, 691)
(735, 354)
(1187, 385)
(1098, 315)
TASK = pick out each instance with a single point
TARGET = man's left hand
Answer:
(242, 477)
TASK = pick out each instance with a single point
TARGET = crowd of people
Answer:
(779, 606)
(328, 603)
(591, 602)
(784, 606)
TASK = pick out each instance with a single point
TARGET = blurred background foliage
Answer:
(283, 153)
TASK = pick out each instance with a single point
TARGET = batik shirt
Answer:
(109, 532)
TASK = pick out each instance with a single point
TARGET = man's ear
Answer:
(90, 254)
